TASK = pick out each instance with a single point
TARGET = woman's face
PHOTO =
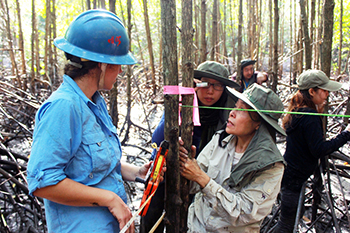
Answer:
(319, 96)
(240, 123)
(111, 75)
(208, 95)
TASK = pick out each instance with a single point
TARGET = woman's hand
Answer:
(189, 167)
(121, 212)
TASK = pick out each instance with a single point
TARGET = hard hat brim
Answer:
(63, 44)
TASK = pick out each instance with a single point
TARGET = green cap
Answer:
(215, 70)
(262, 98)
(317, 78)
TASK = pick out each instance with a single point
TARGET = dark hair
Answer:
(72, 70)
(300, 99)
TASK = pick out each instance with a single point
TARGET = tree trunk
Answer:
(203, 50)
(307, 46)
(112, 6)
(239, 46)
(233, 36)
(171, 106)
(88, 4)
(326, 47)
(187, 31)
(20, 39)
(121, 12)
(291, 43)
(214, 36)
(14, 69)
(47, 38)
(150, 46)
(33, 41)
(196, 35)
(54, 49)
(312, 27)
(225, 61)
(270, 38)
(340, 37)
(319, 36)
(275, 48)
(128, 78)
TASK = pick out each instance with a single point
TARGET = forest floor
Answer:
(18, 108)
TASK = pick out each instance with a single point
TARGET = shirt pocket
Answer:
(213, 172)
(97, 147)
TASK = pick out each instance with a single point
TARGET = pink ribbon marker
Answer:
(178, 90)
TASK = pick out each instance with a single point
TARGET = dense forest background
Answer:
(285, 37)
(224, 30)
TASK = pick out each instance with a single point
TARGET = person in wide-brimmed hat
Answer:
(237, 176)
(210, 80)
(249, 75)
(305, 141)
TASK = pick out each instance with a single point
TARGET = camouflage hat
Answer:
(317, 78)
(262, 98)
(215, 70)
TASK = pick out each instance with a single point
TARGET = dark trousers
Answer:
(289, 207)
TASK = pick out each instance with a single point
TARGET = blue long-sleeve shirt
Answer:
(75, 138)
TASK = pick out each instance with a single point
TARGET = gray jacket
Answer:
(238, 198)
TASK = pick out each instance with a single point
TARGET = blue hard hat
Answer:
(97, 35)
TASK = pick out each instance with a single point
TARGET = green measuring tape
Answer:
(271, 111)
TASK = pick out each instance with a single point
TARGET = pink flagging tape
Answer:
(178, 90)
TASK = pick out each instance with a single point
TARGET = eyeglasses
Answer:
(216, 86)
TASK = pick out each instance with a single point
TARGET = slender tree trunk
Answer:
(233, 34)
(14, 69)
(47, 38)
(291, 43)
(270, 37)
(319, 36)
(171, 106)
(312, 27)
(275, 45)
(88, 4)
(196, 35)
(150, 46)
(186, 113)
(307, 46)
(121, 12)
(54, 49)
(33, 41)
(20, 38)
(203, 50)
(326, 47)
(214, 36)
(128, 78)
(239, 46)
(340, 37)
(225, 61)
(258, 36)
(112, 6)
(250, 28)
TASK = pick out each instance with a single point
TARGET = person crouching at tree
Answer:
(237, 176)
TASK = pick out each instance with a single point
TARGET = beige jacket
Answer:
(221, 208)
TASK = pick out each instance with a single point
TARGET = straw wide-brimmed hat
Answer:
(262, 98)
(317, 78)
(215, 70)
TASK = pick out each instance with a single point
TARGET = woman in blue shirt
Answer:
(75, 162)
